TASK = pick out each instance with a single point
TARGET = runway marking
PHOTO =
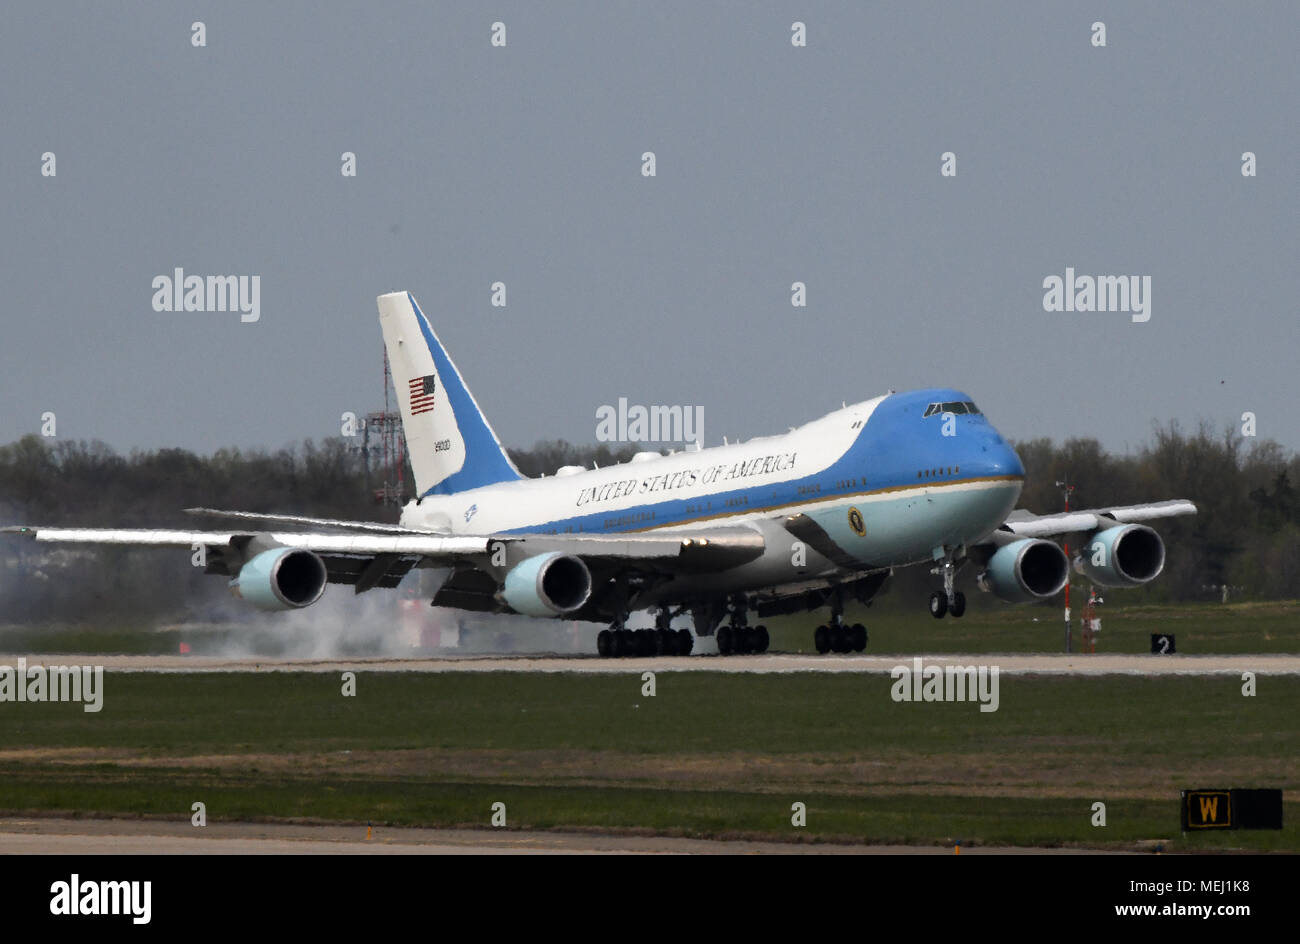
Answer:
(1008, 663)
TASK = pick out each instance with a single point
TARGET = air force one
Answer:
(813, 518)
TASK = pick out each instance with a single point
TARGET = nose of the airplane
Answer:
(997, 457)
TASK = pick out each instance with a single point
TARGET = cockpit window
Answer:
(955, 407)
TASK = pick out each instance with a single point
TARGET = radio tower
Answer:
(383, 437)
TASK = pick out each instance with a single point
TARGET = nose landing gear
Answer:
(948, 600)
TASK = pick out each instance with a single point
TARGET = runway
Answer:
(1007, 663)
(53, 836)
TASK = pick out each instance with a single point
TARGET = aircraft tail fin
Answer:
(451, 446)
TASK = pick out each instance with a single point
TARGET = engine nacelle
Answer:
(547, 585)
(281, 578)
(1026, 570)
(1124, 556)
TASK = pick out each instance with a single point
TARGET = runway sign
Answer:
(1231, 809)
(1162, 644)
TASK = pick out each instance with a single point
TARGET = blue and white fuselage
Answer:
(888, 484)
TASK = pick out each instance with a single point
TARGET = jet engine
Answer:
(547, 585)
(1124, 556)
(1026, 570)
(281, 578)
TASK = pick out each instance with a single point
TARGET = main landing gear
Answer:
(663, 640)
(738, 637)
(947, 600)
(838, 636)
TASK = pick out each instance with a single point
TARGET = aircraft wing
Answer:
(646, 559)
(1024, 524)
(381, 560)
(713, 549)
(362, 560)
(375, 526)
(409, 543)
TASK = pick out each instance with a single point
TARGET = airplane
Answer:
(809, 519)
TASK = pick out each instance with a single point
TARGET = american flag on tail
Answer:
(421, 389)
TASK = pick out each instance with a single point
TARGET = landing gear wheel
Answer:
(761, 639)
(839, 639)
(822, 640)
(725, 643)
(605, 643)
(938, 604)
(958, 605)
(858, 637)
(685, 642)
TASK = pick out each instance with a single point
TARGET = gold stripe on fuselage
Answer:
(846, 496)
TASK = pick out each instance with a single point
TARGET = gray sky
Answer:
(774, 164)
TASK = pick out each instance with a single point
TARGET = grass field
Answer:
(711, 755)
